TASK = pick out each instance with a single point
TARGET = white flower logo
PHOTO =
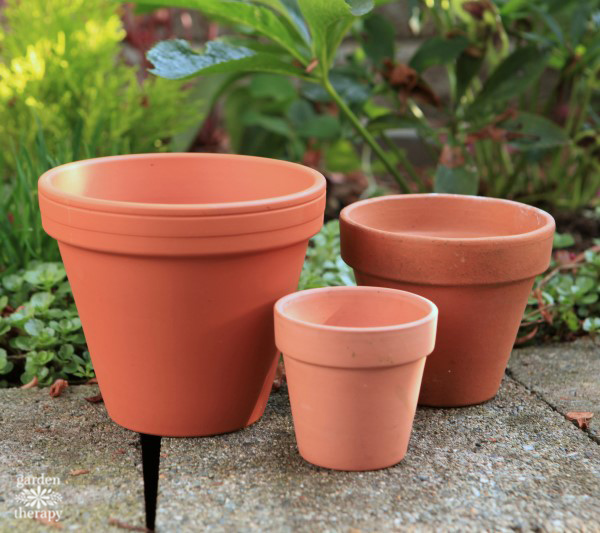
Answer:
(39, 497)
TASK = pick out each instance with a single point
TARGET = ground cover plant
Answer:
(41, 339)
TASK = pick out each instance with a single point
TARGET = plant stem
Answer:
(399, 153)
(366, 135)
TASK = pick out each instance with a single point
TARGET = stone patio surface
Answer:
(513, 464)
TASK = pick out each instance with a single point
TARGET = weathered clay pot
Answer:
(354, 359)
(475, 258)
(175, 261)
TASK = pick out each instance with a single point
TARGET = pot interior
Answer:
(183, 179)
(355, 307)
(448, 216)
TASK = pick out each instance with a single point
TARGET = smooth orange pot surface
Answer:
(354, 359)
(175, 261)
(476, 258)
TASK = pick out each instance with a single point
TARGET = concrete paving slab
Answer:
(512, 464)
(566, 375)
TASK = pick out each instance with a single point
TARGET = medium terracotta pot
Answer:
(175, 261)
(354, 359)
(475, 257)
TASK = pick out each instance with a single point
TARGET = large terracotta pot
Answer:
(175, 261)
(475, 258)
(354, 359)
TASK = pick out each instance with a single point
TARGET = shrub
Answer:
(61, 71)
(519, 119)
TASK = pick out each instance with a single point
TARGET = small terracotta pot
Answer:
(475, 257)
(354, 359)
(175, 261)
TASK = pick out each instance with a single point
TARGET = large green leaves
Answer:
(329, 21)
(438, 51)
(511, 78)
(455, 180)
(467, 68)
(261, 19)
(534, 132)
(379, 38)
(175, 59)
(291, 10)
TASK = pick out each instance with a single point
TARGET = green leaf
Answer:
(551, 22)
(360, 7)
(328, 21)
(3, 302)
(511, 78)
(20, 316)
(25, 344)
(272, 86)
(259, 18)
(12, 282)
(40, 301)
(591, 324)
(583, 284)
(379, 38)
(535, 132)
(350, 89)
(234, 107)
(42, 358)
(563, 240)
(299, 112)
(513, 6)
(141, 8)
(270, 123)
(46, 275)
(5, 365)
(175, 59)
(467, 68)
(291, 10)
(342, 156)
(323, 127)
(457, 180)
(571, 320)
(34, 327)
(579, 20)
(68, 325)
(438, 51)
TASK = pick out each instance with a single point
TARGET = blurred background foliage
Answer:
(62, 74)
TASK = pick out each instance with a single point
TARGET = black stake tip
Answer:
(151, 465)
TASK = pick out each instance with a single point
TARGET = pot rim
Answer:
(537, 234)
(431, 315)
(48, 189)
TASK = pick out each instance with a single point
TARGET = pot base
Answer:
(446, 405)
(370, 468)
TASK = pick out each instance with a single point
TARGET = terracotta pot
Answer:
(175, 261)
(475, 257)
(354, 359)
